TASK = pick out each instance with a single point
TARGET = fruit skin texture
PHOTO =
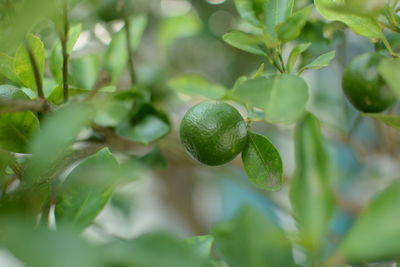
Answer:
(363, 85)
(213, 132)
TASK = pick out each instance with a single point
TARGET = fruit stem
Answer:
(64, 45)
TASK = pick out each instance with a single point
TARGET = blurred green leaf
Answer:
(73, 36)
(249, 10)
(311, 193)
(141, 251)
(153, 160)
(22, 63)
(383, 243)
(7, 68)
(320, 62)
(291, 28)
(201, 244)
(116, 56)
(85, 71)
(252, 92)
(259, 71)
(295, 53)
(389, 69)
(250, 239)
(391, 120)
(196, 86)
(86, 190)
(45, 248)
(172, 28)
(50, 144)
(112, 112)
(4, 161)
(262, 162)
(144, 126)
(137, 27)
(16, 128)
(244, 41)
(364, 25)
(275, 13)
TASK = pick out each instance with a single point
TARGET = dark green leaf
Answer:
(320, 62)
(244, 41)
(375, 235)
(250, 239)
(262, 162)
(22, 63)
(291, 28)
(311, 194)
(86, 190)
(16, 128)
(196, 86)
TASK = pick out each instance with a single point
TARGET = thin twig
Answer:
(36, 71)
(64, 45)
(125, 17)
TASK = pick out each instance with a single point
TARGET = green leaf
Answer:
(175, 27)
(112, 112)
(311, 194)
(251, 239)
(249, 10)
(16, 128)
(389, 69)
(86, 190)
(116, 56)
(51, 143)
(294, 55)
(153, 160)
(364, 25)
(291, 28)
(73, 36)
(85, 71)
(320, 62)
(259, 71)
(7, 68)
(22, 63)
(244, 41)
(262, 162)
(145, 126)
(201, 244)
(276, 12)
(196, 86)
(137, 27)
(391, 120)
(283, 97)
(383, 243)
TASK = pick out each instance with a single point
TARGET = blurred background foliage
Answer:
(168, 191)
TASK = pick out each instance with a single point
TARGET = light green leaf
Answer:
(320, 62)
(86, 190)
(244, 41)
(137, 27)
(262, 162)
(249, 10)
(85, 71)
(254, 92)
(276, 12)
(362, 244)
(259, 71)
(196, 86)
(390, 71)
(294, 55)
(291, 28)
(116, 56)
(7, 68)
(17, 128)
(172, 28)
(51, 143)
(364, 25)
(311, 194)
(22, 63)
(391, 120)
(73, 36)
(201, 244)
(251, 239)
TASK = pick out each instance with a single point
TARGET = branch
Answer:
(64, 46)
(18, 105)
(36, 72)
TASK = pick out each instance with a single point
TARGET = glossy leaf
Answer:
(364, 25)
(22, 63)
(196, 86)
(262, 162)
(86, 190)
(389, 69)
(51, 143)
(251, 239)
(383, 243)
(7, 68)
(16, 128)
(291, 28)
(311, 194)
(320, 62)
(244, 41)
(295, 53)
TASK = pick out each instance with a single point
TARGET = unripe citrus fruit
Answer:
(363, 85)
(213, 132)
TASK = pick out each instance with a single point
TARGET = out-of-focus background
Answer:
(182, 196)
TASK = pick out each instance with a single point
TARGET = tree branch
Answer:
(36, 72)
(64, 46)
(18, 105)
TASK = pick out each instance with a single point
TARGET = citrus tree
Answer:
(97, 95)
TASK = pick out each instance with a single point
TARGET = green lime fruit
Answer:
(363, 85)
(213, 132)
